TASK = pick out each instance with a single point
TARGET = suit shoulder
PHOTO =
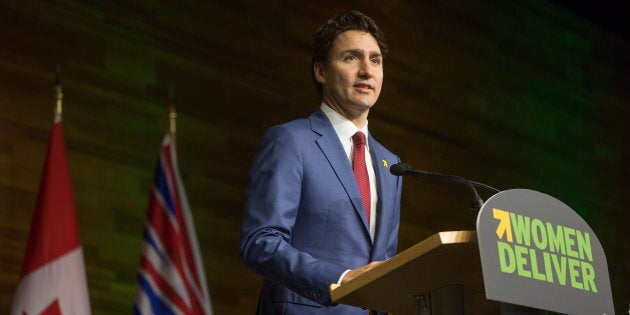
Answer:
(379, 147)
(288, 130)
(295, 125)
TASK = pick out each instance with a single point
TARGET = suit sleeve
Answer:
(271, 207)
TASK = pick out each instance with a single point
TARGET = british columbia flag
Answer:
(171, 279)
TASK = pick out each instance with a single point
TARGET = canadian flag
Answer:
(53, 281)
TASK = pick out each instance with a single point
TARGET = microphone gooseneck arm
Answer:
(401, 169)
(482, 185)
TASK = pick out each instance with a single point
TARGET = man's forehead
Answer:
(356, 41)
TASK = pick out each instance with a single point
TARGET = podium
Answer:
(530, 254)
(441, 273)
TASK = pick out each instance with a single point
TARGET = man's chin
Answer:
(365, 104)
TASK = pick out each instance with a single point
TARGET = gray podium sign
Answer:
(537, 252)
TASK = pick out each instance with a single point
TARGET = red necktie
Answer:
(360, 171)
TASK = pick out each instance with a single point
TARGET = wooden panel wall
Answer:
(511, 93)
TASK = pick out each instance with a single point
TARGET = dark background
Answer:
(610, 15)
(516, 94)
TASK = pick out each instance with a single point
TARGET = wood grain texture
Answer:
(517, 94)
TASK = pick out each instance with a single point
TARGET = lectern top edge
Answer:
(337, 292)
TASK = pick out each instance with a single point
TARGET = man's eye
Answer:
(349, 58)
(376, 61)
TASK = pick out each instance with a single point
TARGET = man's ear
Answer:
(318, 69)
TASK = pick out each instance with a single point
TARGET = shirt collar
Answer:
(344, 128)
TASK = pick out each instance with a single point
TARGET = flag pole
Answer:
(58, 94)
(172, 114)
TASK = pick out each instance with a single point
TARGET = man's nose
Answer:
(365, 68)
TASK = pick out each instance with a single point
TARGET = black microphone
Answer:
(401, 169)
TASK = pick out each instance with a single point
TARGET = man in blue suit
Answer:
(321, 204)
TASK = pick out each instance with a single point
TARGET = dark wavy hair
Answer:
(328, 32)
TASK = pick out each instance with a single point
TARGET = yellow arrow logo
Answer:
(505, 226)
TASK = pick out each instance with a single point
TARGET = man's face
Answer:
(353, 76)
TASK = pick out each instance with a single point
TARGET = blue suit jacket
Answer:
(304, 225)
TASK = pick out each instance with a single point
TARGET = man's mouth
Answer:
(364, 87)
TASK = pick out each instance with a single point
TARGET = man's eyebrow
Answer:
(376, 54)
(361, 51)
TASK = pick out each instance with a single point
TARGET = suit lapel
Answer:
(329, 143)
